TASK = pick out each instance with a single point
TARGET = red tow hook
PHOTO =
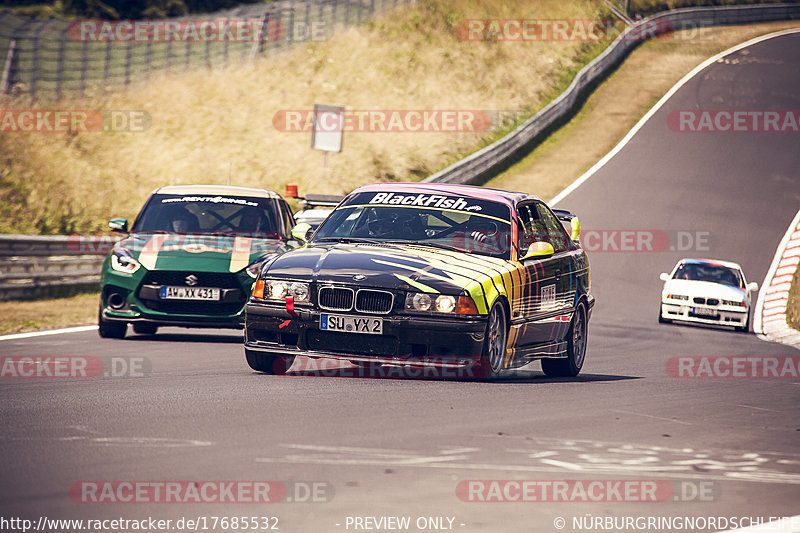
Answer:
(290, 306)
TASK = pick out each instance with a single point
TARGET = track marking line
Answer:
(76, 329)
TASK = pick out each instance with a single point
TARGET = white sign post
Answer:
(326, 135)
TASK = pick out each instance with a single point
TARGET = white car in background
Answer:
(707, 292)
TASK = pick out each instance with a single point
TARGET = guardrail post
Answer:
(37, 36)
(61, 50)
(6, 80)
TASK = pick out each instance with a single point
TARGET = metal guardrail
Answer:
(40, 266)
(493, 159)
(50, 57)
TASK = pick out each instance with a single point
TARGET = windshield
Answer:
(247, 216)
(712, 273)
(465, 225)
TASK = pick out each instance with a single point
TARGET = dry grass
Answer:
(16, 317)
(793, 305)
(206, 124)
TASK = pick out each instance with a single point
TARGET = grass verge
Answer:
(21, 316)
(793, 305)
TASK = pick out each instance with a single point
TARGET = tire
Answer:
(571, 365)
(108, 329)
(145, 328)
(661, 319)
(494, 343)
(276, 365)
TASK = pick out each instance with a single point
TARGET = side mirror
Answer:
(120, 225)
(539, 250)
(663, 276)
(576, 229)
(300, 231)
(752, 286)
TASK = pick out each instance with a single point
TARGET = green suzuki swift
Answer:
(191, 257)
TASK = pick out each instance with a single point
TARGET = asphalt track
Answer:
(400, 447)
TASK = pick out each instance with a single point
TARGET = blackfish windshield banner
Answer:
(432, 201)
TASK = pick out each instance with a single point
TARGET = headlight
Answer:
(123, 261)
(271, 289)
(443, 303)
(677, 297)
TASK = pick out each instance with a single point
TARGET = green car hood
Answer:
(199, 253)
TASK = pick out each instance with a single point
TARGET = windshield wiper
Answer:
(347, 240)
(433, 244)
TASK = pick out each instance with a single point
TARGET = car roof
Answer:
(231, 190)
(470, 191)
(716, 262)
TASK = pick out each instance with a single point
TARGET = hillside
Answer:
(206, 125)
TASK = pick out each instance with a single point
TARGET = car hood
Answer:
(393, 266)
(705, 289)
(199, 253)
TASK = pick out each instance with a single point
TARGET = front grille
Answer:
(706, 301)
(351, 343)
(204, 279)
(336, 298)
(194, 307)
(369, 301)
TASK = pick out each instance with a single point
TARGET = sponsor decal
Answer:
(423, 200)
(211, 199)
(548, 295)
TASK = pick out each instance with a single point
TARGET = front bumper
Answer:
(140, 303)
(717, 316)
(443, 341)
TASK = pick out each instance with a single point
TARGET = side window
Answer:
(287, 216)
(555, 231)
(525, 235)
(532, 228)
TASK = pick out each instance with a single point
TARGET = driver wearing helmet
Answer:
(183, 222)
